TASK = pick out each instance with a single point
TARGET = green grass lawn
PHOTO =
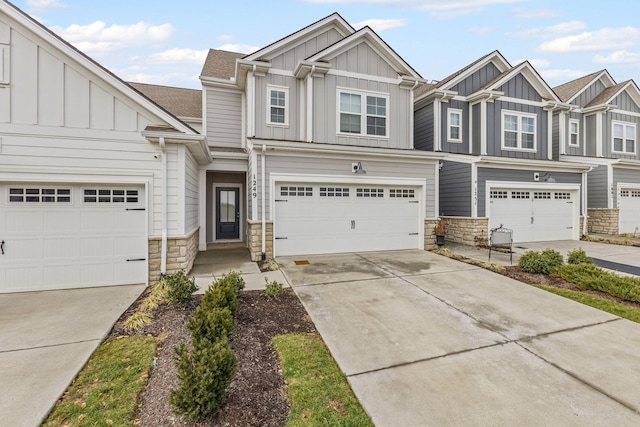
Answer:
(318, 391)
(107, 389)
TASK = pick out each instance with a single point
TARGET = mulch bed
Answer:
(257, 394)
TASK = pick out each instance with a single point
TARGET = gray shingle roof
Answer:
(221, 64)
(567, 90)
(605, 96)
(178, 101)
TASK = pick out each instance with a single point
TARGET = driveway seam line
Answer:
(50, 345)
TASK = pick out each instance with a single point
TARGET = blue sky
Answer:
(165, 42)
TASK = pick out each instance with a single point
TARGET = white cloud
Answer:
(557, 30)
(533, 14)
(561, 75)
(97, 37)
(618, 57)
(239, 48)
(482, 30)
(178, 55)
(604, 39)
(46, 4)
(381, 24)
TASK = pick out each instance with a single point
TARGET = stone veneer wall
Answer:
(429, 236)
(254, 239)
(603, 220)
(466, 230)
(181, 252)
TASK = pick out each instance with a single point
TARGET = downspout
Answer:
(584, 200)
(264, 218)
(163, 250)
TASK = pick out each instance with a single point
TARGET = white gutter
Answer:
(264, 218)
(163, 249)
(584, 200)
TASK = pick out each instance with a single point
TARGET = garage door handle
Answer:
(2, 247)
(136, 259)
(135, 209)
(531, 220)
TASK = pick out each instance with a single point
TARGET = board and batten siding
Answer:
(494, 130)
(454, 147)
(476, 80)
(597, 190)
(590, 135)
(515, 175)
(631, 176)
(455, 189)
(276, 164)
(555, 135)
(589, 94)
(423, 128)
(191, 193)
(50, 89)
(607, 139)
(519, 87)
(476, 129)
(572, 150)
(362, 59)
(288, 60)
(290, 131)
(224, 118)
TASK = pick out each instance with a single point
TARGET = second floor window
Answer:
(454, 125)
(573, 133)
(362, 114)
(277, 112)
(518, 131)
(624, 138)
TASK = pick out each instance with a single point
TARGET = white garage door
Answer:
(630, 210)
(69, 236)
(534, 215)
(318, 219)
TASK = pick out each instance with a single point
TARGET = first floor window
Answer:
(362, 113)
(277, 99)
(518, 131)
(454, 123)
(573, 132)
(624, 138)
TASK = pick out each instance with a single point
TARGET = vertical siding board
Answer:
(597, 191)
(50, 89)
(455, 189)
(476, 80)
(476, 128)
(24, 88)
(423, 128)
(589, 94)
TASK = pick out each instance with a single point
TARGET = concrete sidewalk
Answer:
(428, 341)
(45, 339)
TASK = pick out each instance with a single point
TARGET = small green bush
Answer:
(578, 256)
(590, 276)
(540, 262)
(210, 325)
(204, 375)
(272, 289)
(236, 280)
(180, 287)
(221, 294)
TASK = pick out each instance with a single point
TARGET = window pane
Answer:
(510, 122)
(454, 133)
(630, 132)
(277, 115)
(574, 139)
(617, 144)
(227, 206)
(528, 124)
(630, 148)
(527, 140)
(377, 106)
(376, 126)
(350, 103)
(277, 98)
(349, 123)
(573, 126)
(618, 131)
(510, 139)
(454, 119)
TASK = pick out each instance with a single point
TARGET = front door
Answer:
(227, 213)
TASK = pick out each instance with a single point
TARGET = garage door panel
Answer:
(60, 247)
(61, 221)
(629, 221)
(24, 221)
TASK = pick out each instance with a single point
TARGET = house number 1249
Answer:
(254, 186)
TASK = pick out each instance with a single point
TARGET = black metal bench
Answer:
(501, 238)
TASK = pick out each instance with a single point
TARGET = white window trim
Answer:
(4, 64)
(286, 105)
(635, 138)
(577, 133)
(363, 113)
(519, 114)
(449, 112)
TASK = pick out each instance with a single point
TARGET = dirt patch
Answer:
(257, 394)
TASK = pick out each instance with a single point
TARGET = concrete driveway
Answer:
(45, 339)
(428, 341)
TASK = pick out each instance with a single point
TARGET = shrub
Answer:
(236, 280)
(180, 288)
(210, 325)
(540, 262)
(204, 376)
(221, 294)
(578, 256)
(272, 289)
(590, 276)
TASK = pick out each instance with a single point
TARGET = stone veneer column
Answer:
(603, 220)
(181, 253)
(254, 240)
(467, 230)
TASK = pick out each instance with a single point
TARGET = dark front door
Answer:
(227, 213)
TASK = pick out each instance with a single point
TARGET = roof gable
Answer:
(274, 49)
(368, 36)
(530, 74)
(569, 91)
(611, 93)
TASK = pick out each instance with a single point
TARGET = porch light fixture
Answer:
(357, 168)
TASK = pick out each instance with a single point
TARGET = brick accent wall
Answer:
(254, 239)
(181, 252)
(603, 220)
(466, 230)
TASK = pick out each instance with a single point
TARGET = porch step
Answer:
(225, 246)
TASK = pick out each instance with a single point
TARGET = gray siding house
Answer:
(602, 130)
(312, 141)
(496, 121)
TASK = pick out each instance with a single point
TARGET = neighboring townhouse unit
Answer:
(496, 120)
(98, 184)
(312, 140)
(602, 130)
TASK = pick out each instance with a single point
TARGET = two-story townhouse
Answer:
(496, 121)
(312, 140)
(602, 130)
(97, 182)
